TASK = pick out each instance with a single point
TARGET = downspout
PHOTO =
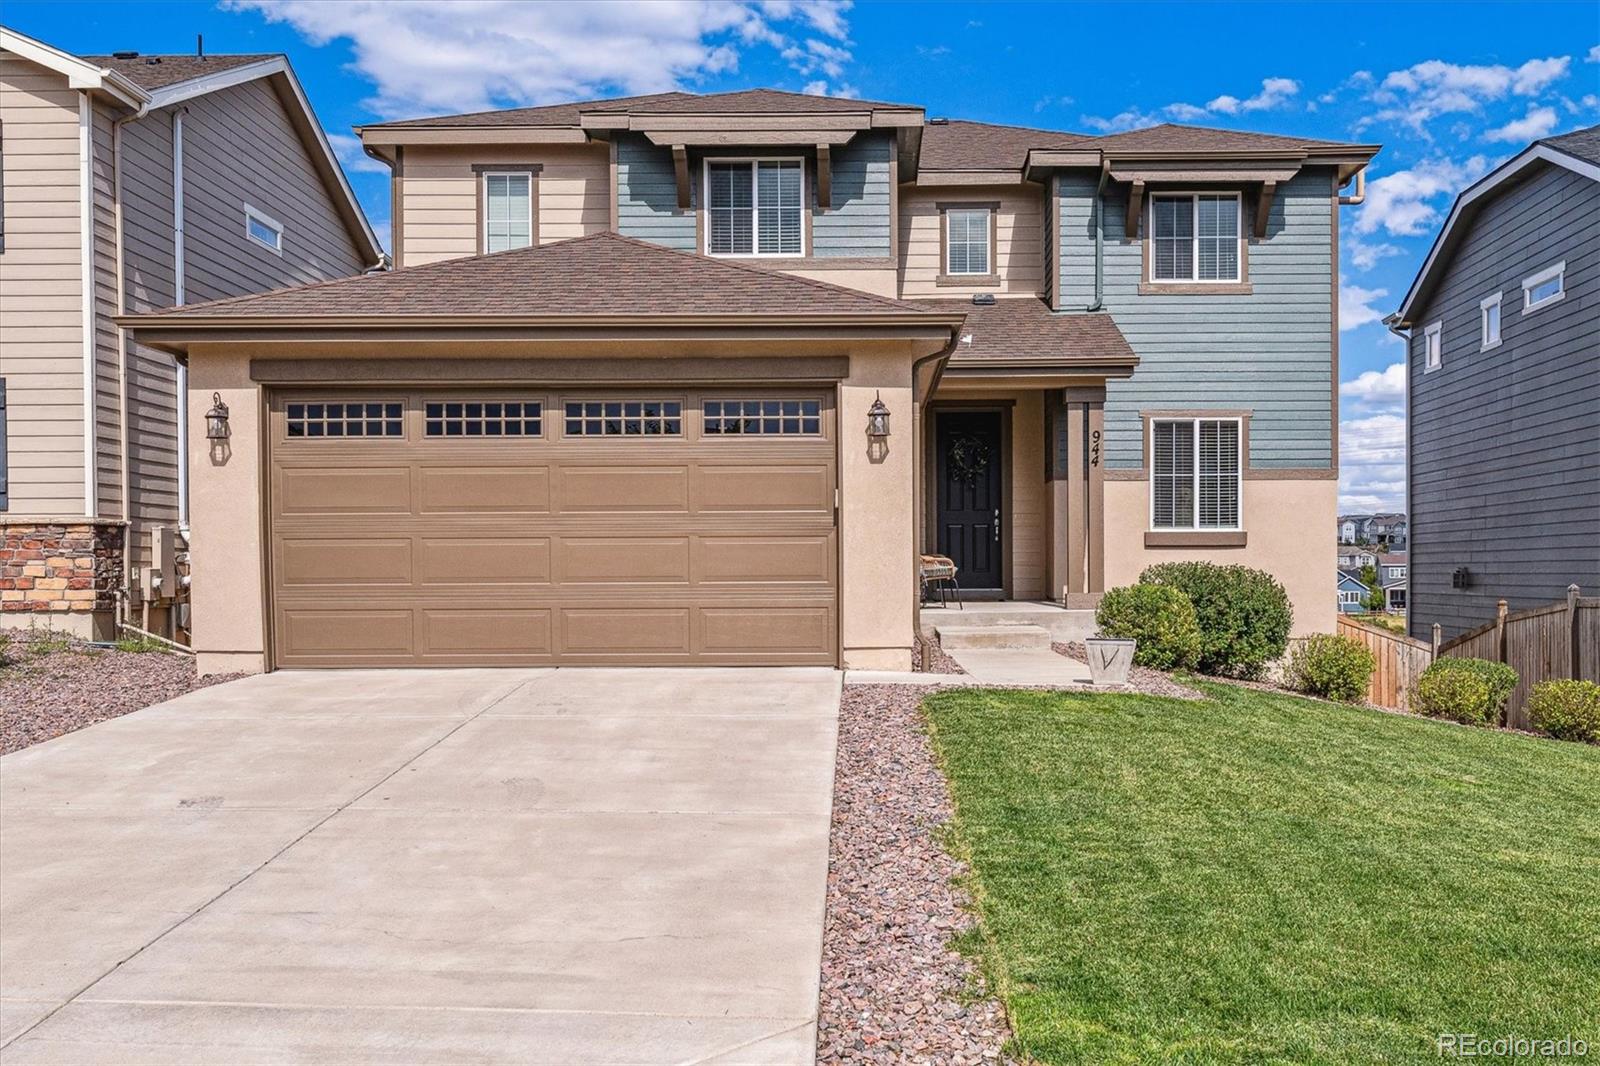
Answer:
(1361, 189)
(122, 356)
(943, 357)
(87, 316)
(178, 300)
(1099, 241)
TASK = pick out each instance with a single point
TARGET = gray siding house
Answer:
(1503, 326)
(130, 183)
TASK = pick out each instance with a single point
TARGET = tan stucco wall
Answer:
(1287, 524)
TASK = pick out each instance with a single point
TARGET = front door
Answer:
(968, 472)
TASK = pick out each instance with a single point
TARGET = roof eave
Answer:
(80, 74)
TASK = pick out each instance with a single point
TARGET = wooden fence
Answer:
(1558, 640)
(1398, 661)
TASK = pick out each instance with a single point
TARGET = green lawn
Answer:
(1265, 879)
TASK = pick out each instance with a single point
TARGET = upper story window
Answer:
(263, 229)
(1489, 321)
(1433, 346)
(1545, 287)
(1195, 237)
(968, 237)
(1195, 470)
(755, 207)
(507, 210)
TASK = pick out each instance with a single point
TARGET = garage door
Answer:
(497, 527)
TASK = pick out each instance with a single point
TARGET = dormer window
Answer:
(1195, 237)
(755, 207)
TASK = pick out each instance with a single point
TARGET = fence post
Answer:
(1572, 629)
(1438, 638)
(1500, 631)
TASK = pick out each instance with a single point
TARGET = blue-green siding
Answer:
(1270, 352)
(858, 225)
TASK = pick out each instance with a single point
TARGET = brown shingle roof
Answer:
(746, 101)
(1026, 328)
(956, 144)
(157, 72)
(1171, 137)
(602, 275)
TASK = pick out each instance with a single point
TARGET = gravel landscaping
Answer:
(51, 684)
(927, 657)
(893, 987)
(1140, 678)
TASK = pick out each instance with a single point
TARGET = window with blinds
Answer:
(507, 211)
(1195, 237)
(966, 240)
(1195, 473)
(755, 207)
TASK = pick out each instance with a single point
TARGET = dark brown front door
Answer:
(969, 473)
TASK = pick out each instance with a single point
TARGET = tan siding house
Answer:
(90, 171)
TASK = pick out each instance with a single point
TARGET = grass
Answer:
(1260, 878)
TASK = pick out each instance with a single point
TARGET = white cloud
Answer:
(433, 56)
(1593, 56)
(1372, 463)
(1377, 388)
(821, 87)
(1186, 112)
(352, 157)
(1366, 256)
(1402, 203)
(1535, 124)
(1275, 92)
(1434, 87)
(1131, 119)
(1355, 306)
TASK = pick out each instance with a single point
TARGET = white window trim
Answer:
(251, 214)
(1194, 241)
(1534, 281)
(989, 242)
(755, 207)
(483, 190)
(1431, 331)
(1237, 527)
(1483, 322)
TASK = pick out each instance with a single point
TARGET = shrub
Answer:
(1325, 664)
(1244, 614)
(1471, 691)
(5, 648)
(1567, 710)
(1159, 617)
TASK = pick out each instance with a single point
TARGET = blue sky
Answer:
(1449, 89)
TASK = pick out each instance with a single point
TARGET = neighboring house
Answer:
(1391, 567)
(1354, 558)
(693, 379)
(1394, 596)
(1503, 403)
(1352, 593)
(1388, 530)
(129, 183)
(1351, 528)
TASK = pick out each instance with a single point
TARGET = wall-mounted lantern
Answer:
(217, 419)
(877, 419)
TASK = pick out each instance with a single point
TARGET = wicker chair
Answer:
(938, 574)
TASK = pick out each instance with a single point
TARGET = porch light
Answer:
(217, 419)
(877, 419)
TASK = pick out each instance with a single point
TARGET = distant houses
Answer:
(1364, 572)
(1386, 529)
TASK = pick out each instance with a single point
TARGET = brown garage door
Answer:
(496, 527)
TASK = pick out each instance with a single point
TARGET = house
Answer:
(695, 378)
(129, 183)
(1356, 558)
(1352, 528)
(1391, 566)
(1388, 530)
(1394, 596)
(1503, 403)
(1352, 593)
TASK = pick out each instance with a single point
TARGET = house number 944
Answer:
(1094, 448)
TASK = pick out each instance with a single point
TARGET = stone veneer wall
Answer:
(62, 574)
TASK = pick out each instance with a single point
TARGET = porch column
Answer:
(1075, 424)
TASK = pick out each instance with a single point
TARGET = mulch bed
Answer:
(893, 989)
(1140, 679)
(51, 684)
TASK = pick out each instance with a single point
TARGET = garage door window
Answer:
(765, 418)
(344, 419)
(624, 418)
(470, 418)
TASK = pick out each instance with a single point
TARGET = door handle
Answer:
(997, 525)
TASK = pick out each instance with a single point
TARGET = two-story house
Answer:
(695, 379)
(1503, 402)
(129, 183)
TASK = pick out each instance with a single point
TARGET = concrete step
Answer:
(1013, 636)
(1062, 625)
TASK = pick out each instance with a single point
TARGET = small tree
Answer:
(1374, 600)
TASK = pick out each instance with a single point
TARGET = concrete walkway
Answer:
(562, 866)
(1021, 666)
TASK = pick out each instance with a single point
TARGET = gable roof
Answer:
(1173, 137)
(744, 102)
(956, 144)
(159, 71)
(603, 275)
(1575, 151)
(1024, 330)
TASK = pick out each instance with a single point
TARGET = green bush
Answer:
(5, 648)
(1244, 614)
(1159, 617)
(1325, 664)
(1567, 710)
(1471, 691)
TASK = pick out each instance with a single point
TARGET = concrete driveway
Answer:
(564, 866)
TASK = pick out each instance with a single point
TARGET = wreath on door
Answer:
(967, 459)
